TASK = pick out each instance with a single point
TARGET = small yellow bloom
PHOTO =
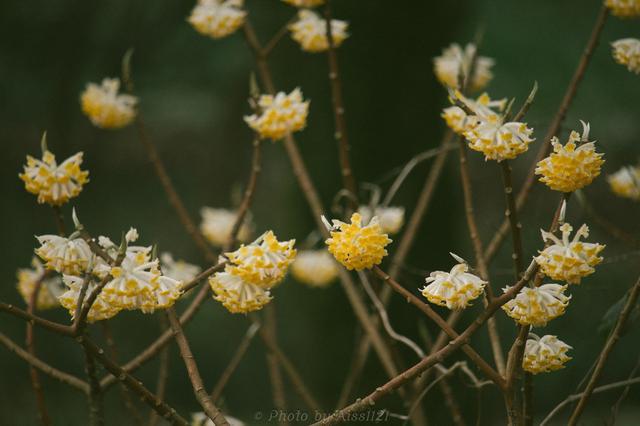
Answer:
(455, 289)
(27, 280)
(627, 52)
(458, 120)
(304, 3)
(217, 225)
(537, 306)
(544, 354)
(356, 246)
(279, 115)
(101, 308)
(264, 262)
(626, 182)
(568, 168)
(217, 18)
(567, 260)
(310, 31)
(54, 184)
(390, 219)
(105, 107)
(314, 267)
(67, 256)
(624, 8)
(455, 63)
(237, 295)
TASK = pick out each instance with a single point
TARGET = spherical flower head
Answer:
(54, 184)
(101, 308)
(538, 305)
(624, 8)
(310, 31)
(455, 289)
(568, 168)
(178, 270)
(28, 279)
(217, 225)
(280, 115)
(626, 182)
(544, 354)
(455, 63)
(316, 268)
(627, 52)
(390, 219)
(357, 246)
(304, 3)
(64, 255)
(460, 122)
(497, 140)
(264, 262)
(105, 107)
(217, 18)
(569, 260)
(237, 295)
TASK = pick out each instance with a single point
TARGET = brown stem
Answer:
(163, 373)
(606, 351)
(30, 344)
(512, 216)
(55, 327)
(275, 374)
(248, 193)
(96, 406)
(59, 219)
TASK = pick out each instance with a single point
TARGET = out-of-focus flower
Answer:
(310, 31)
(217, 18)
(217, 225)
(537, 306)
(569, 260)
(569, 168)
(101, 308)
(263, 262)
(626, 51)
(458, 120)
(624, 8)
(201, 419)
(314, 267)
(67, 256)
(237, 295)
(544, 354)
(455, 289)
(27, 281)
(54, 184)
(626, 182)
(304, 3)
(357, 246)
(279, 115)
(178, 270)
(455, 63)
(105, 107)
(390, 219)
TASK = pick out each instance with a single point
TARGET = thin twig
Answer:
(30, 344)
(163, 373)
(275, 373)
(248, 193)
(616, 407)
(55, 327)
(96, 405)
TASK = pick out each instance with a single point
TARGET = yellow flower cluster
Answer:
(217, 225)
(627, 52)
(455, 63)
(544, 354)
(390, 219)
(455, 289)
(254, 269)
(217, 18)
(537, 306)
(105, 107)
(54, 184)
(458, 120)
(624, 8)
(66, 256)
(27, 281)
(626, 182)
(568, 168)
(280, 115)
(310, 31)
(567, 260)
(357, 246)
(304, 3)
(100, 310)
(314, 267)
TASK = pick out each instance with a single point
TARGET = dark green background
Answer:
(193, 94)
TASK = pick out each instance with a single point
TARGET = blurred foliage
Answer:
(193, 94)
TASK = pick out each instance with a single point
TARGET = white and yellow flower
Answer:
(101, 308)
(544, 354)
(569, 260)
(455, 63)
(390, 219)
(217, 18)
(217, 225)
(568, 168)
(314, 267)
(460, 122)
(538, 305)
(626, 52)
(624, 8)
(626, 182)
(280, 115)
(105, 107)
(236, 294)
(67, 256)
(455, 289)
(304, 3)
(28, 279)
(54, 184)
(178, 270)
(310, 31)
